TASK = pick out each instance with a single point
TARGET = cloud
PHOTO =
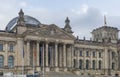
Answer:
(83, 18)
(82, 9)
(83, 23)
(23, 4)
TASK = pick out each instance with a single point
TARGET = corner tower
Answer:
(21, 18)
(67, 27)
(105, 33)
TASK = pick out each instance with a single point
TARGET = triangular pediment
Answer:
(51, 31)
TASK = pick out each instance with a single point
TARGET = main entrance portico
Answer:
(55, 55)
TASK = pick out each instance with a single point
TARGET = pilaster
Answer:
(28, 53)
(6, 54)
(38, 51)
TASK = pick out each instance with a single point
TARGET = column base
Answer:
(56, 69)
(38, 68)
(47, 69)
(65, 68)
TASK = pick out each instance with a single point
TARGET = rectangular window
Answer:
(11, 47)
(100, 54)
(1, 47)
(81, 53)
(74, 53)
(94, 54)
(87, 53)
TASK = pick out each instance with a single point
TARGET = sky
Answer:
(84, 15)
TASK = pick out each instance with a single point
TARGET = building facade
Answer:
(28, 45)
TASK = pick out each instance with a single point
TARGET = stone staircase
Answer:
(64, 74)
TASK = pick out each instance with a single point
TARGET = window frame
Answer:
(1, 47)
(87, 53)
(1, 61)
(93, 64)
(100, 65)
(11, 47)
(10, 61)
(100, 54)
(80, 53)
(93, 54)
(80, 64)
(87, 64)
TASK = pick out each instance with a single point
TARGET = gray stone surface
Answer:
(60, 74)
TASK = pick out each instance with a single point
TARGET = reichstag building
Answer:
(28, 43)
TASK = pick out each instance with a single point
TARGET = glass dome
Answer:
(28, 21)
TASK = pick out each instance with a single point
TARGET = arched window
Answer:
(87, 64)
(10, 61)
(100, 64)
(1, 61)
(113, 54)
(74, 63)
(80, 64)
(93, 64)
(113, 66)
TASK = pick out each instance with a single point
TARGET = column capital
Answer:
(28, 40)
(64, 43)
(47, 42)
(56, 43)
(38, 41)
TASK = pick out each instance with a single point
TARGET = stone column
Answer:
(72, 55)
(38, 51)
(28, 53)
(56, 54)
(46, 49)
(56, 57)
(69, 55)
(43, 52)
(64, 55)
(46, 55)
